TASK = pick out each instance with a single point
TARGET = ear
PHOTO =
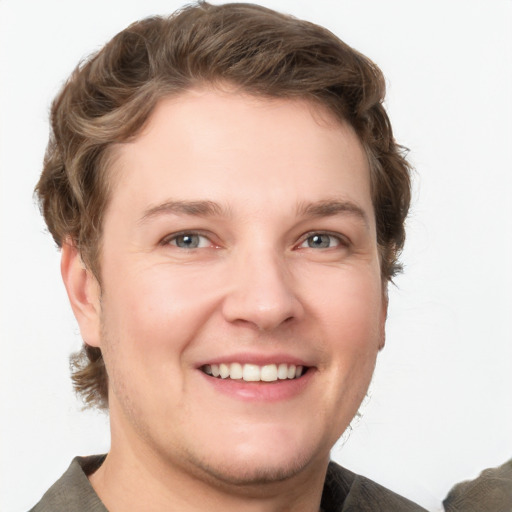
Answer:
(83, 292)
(383, 317)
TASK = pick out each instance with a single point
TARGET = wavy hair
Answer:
(111, 95)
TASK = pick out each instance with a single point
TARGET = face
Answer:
(242, 306)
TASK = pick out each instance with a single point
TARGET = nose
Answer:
(261, 292)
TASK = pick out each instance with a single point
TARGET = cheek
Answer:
(350, 313)
(350, 305)
(151, 299)
(152, 315)
(145, 331)
(348, 310)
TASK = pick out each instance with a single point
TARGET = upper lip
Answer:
(257, 359)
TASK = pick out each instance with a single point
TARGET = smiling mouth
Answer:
(254, 372)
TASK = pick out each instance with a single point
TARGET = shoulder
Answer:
(72, 491)
(345, 491)
(492, 490)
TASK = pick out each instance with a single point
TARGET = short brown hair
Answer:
(109, 97)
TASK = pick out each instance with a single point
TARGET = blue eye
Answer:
(189, 241)
(321, 241)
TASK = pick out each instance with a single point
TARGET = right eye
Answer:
(322, 240)
(189, 241)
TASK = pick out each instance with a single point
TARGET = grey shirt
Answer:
(343, 491)
(490, 492)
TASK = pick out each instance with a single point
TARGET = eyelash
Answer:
(172, 238)
(340, 240)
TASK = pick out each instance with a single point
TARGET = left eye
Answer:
(321, 241)
(189, 241)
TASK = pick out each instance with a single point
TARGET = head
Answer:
(238, 50)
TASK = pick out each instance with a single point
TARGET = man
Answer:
(230, 204)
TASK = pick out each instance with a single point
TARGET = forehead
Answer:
(237, 148)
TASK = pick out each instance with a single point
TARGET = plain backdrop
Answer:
(440, 406)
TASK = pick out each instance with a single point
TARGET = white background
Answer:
(441, 407)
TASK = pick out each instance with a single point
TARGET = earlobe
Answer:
(382, 341)
(384, 316)
(83, 292)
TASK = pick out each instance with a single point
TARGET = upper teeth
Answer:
(254, 372)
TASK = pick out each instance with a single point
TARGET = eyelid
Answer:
(342, 239)
(166, 240)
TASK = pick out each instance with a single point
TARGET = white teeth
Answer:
(224, 370)
(254, 372)
(251, 373)
(235, 371)
(269, 373)
(282, 371)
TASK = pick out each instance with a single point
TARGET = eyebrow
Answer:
(331, 207)
(324, 208)
(197, 208)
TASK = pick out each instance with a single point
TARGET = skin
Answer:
(258, 285)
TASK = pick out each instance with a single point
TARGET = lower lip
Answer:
(260, 391)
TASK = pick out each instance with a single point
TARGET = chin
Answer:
(250, 472)
(272, 459)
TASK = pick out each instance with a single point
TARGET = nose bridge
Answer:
(261, 290)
